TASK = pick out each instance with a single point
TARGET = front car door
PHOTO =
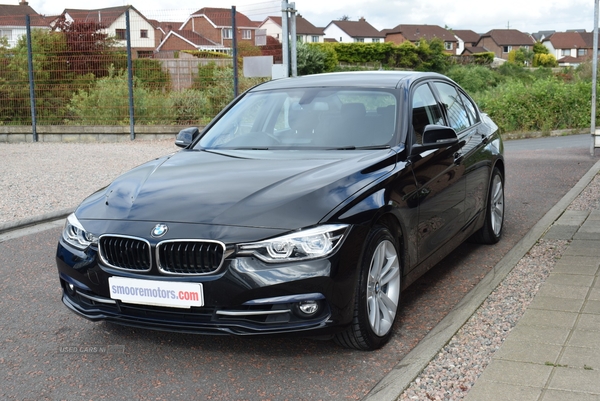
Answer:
(441, 186)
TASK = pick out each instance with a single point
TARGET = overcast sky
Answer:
(480, 16)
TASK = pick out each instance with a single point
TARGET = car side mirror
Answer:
(186, 136)
(435, 137)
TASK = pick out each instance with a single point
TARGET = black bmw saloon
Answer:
(306, 206)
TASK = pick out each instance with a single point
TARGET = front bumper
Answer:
(246, 297)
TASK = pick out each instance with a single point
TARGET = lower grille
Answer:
(190, 257)
(125, 253)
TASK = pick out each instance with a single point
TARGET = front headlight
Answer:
(311, 243)
(75, 235)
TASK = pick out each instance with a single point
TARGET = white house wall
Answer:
(137, 23)
(273, 29)
(333, 31)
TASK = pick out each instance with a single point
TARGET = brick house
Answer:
(503, 41)
(210, 29)
(414, 33)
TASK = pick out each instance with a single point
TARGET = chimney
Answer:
(23, 3)
(362, 19)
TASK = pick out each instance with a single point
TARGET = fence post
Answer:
(595, 134)
(31, 80)
(130, 76)
(235, 52)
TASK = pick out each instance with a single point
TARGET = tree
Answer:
(539, 48)
(310, 59)
(344, 18)
(520, 56)
(88, 47)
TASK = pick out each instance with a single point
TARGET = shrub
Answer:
(475, 78)
(544, 105)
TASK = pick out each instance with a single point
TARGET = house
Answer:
(13, 24)
(541, 35)
(570, 48)
(305, 31)
(502, 41)
(469, 51)
(214, 25)
(176, 40)
(353, 31)
(414, 33)
(113, 18)
(466, 38)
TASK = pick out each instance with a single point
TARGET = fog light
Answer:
(70, 289)
(308, 307)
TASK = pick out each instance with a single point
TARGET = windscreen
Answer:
(306, 118)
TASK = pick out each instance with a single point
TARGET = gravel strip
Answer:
(589, 199)
(457, 366)
(52, 184)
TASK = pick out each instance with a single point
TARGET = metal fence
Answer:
(78, 72)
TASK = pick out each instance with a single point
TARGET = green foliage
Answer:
(150, 73)
(428, 56)
(475, 78)
(544, 60)
(520, 56)
(311, 59)
(432, 56)
(206, 54)
(539, 48)
(107, 103)
(542, 105)
(360, 53)
(484, 58)
(189, 107)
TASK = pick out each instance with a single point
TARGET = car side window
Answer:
(471, 109)
(425, 111)
(457, 113)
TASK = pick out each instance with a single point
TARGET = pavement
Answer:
(553, 353)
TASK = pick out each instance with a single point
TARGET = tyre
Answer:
(377, 294)
(491, 231)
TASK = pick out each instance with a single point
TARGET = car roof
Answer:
(368, 79)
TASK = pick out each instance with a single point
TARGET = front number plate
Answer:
(158, 293)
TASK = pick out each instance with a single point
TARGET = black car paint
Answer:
(263, 193)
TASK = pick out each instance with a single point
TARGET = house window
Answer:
(144, 33)
(121, 34)
(145, 53)
(506, 49)
(359, 40)
(227, 33)
(6, 33)
(565, 52)
(315, 39)
(581, 52)
(246, 34)
(375, 40)
(299, 39)
(448, 45)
